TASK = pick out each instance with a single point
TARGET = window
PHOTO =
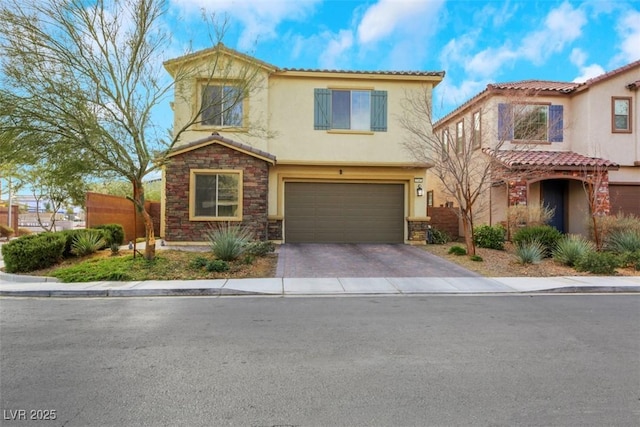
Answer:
(430, 198)
(621, 115)
(476, 137)
(222, 106)
(460, 136)
(357, 110)
(215, 195)
(530, 122)
(445, 143)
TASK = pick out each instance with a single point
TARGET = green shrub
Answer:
(5, 232)
(72, 235)
(259, 248)
(228, 241)
(486, 236)
(87, 243)
(115, 233)
(598, 263)
(217, 265)
(611, 224)
(630, 259)
(570, 248)
(621, 241)
(438, 237)
(530, 252)
(198, 263)
(115, 249)
(248, 259)
(476, 258)
(457, 250)
(33, 252)
(546, 235)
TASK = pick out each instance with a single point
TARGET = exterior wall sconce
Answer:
(419, 191)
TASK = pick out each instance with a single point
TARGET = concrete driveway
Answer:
(363, 260)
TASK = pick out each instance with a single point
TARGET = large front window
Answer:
(351, 109)
(531, 122)
(215, 195)
(222, 106)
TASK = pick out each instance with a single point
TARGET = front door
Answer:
(554, 194)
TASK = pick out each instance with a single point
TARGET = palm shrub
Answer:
(530, 252)
(546, 235)
(87, 243)
(621, 241)
(486, 236)
(570, 248)
(598, 263)
(228, 241)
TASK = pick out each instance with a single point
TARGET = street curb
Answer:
(7, 277)
(102, 293)
(589, 290)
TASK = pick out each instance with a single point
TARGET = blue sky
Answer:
(474, 42)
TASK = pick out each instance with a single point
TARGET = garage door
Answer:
(343, 213)
(625, 198)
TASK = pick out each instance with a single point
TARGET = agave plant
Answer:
(622, 241)
(570, 248)
(530, 252)
(228, 241)
(87, 243)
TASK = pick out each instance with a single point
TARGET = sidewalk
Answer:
(11, 285)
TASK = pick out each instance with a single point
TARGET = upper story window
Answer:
(621, 115)
(460, 136)
(476, 136)
(445, 142)
(215, 195)
(530, 123)
(357, 110)
(222, 105)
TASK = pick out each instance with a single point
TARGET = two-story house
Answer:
(547, 139)
(301, 156)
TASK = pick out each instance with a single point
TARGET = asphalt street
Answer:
(395, 360)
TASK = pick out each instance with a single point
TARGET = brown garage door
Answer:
(343, 213)
(625, 198)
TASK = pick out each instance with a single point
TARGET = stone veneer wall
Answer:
(418, 231)
(214, 156)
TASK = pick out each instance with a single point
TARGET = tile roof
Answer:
(555, 159)
(382, 73)
(216, 137)
(537, 85)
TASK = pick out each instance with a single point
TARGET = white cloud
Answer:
(489, 61)
(629, 31)
(337, 45)
(388, 17)
(259, 18)
(448, 96)
(578, 57)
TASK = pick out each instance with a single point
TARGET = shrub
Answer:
(613, 223)
(23, 232)
(5, 232)
(87, 243)
(621, 241)
(476, 258)
(486, 236)
(228, 241)
(198, 262)
(217, 265)
(259, 248)
(598, 263)
(115, 233)
(546, 235)
(530, 252)
(630, 259)
(570, 248)
(72, 235)
(115, 249)
(33, 252)
(457, 250)
(528, 215)
(438, 237)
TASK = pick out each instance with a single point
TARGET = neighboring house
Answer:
(304, 156)
(580, 130)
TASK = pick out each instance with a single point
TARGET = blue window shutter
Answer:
(379, 110)
(505, 125)
(322, 109)
(556, 125)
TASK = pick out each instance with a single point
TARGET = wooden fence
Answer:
(106, 209)
(4, 216)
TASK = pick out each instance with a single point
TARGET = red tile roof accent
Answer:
(382, 73)
(555, 159)
(216, 137)
(537, 85)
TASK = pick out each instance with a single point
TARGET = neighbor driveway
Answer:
(363, 260)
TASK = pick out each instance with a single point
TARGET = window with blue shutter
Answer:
(556, 123)
(363, 110)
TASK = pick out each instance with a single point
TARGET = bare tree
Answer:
(465, 159)
(89, 76)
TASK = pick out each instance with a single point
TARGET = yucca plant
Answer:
(621, 241)
(87, 243)
(530, 252)
(570, 248)
(228, 241)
